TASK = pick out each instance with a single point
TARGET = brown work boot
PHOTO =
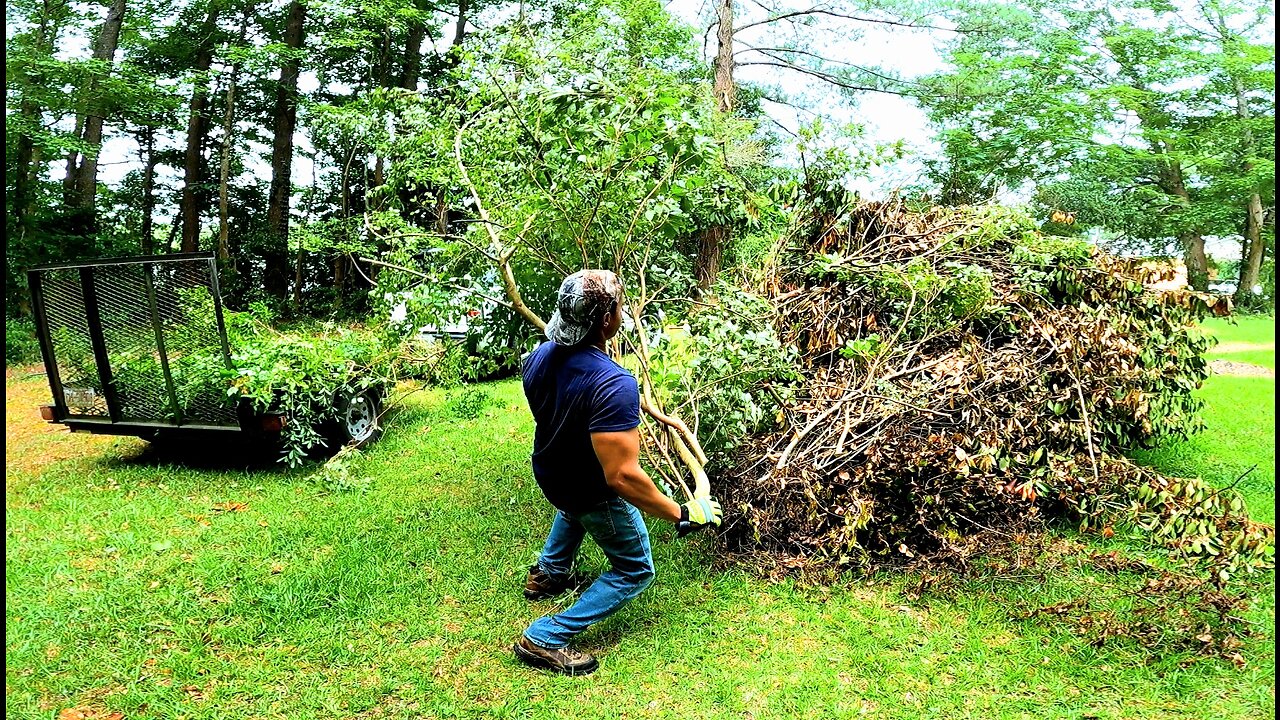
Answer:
(565, 661)
(541, 585)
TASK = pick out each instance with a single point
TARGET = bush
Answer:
(302, 373)
(20, 344)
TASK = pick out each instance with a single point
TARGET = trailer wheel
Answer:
(358, 419)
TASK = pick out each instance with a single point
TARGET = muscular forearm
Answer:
(634, 486)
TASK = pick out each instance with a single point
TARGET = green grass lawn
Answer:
(127, 591)
(1247, 338)
(1240, 413)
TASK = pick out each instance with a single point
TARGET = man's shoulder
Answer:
(538, 355)
(608, 369)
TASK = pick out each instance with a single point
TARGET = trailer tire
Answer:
(357, 422)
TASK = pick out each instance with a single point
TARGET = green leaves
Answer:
(730, 372)
(1137, 117)
(302, 375)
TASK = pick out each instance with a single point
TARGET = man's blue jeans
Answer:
(618, 529)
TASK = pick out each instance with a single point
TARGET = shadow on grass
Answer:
(207, 452)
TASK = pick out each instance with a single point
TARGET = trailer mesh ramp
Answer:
(137, 340)
(193, 340)
(72, 347)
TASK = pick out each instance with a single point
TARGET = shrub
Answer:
(303, 374)
(20, 344)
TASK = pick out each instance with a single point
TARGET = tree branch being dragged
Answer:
(500, 253)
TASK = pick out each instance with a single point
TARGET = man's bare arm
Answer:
(619, 455)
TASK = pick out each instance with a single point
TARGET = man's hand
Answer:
(697, 514)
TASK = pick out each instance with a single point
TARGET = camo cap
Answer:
(585, 297)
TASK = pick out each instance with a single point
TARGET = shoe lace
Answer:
(573, 655)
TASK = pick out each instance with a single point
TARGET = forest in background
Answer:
(551, 135)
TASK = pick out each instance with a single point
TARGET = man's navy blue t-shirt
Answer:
(573, 392)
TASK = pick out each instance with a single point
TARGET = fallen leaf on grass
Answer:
(277, 567)
(230, 507)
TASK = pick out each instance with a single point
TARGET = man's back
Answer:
(573, 392)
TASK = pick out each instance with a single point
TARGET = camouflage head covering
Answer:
(585, 297)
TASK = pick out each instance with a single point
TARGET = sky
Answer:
(886, 118)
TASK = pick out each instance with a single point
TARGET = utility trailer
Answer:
(138, 346)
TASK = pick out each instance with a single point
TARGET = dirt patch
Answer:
(1235, 347)
(31, 444)
(1239, 369)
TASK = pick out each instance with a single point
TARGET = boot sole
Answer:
(538, 661)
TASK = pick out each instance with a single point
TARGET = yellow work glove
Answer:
(697, 514)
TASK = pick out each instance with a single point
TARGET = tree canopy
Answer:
(296, 137)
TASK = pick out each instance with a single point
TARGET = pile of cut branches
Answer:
(964, 375)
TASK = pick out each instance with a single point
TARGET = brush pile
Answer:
(965, 376)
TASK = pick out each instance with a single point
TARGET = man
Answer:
(586, 459)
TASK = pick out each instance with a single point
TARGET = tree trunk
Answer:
(173, 232)
(26, 155)
(1251, 255)
(442, 214)
(228, 127)
(1251, 259)
(193, 164)
(26, 173)
(224, 172)
(1197, 263)
(413, 55)
(724, 88)
(454, 54)
(104, 49)
(73, 161)
(339, 275)
(713, 240)
(148, 240)
(276, 277)
(459, 28)
(297, 279)
(1191, 240)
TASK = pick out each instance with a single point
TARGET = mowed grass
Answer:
(1240, 413)
(1246, 338)
(127, 591)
